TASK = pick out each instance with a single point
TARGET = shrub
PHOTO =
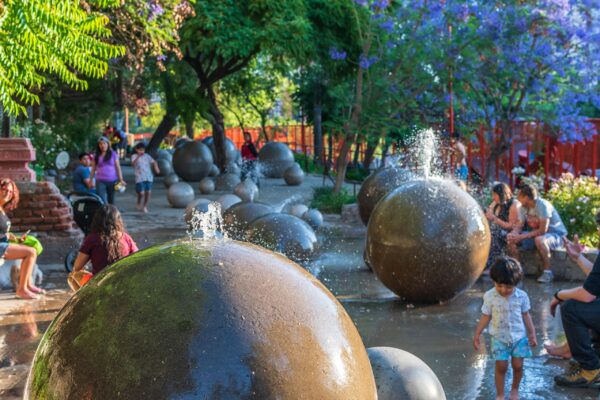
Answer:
(46, 142)
(307, 163)
(328, 202)
(577, 200)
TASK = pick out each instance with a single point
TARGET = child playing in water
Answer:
(143, 165)
(512, 330)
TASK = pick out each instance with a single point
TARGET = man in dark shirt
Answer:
(82, 183)
(580, 310)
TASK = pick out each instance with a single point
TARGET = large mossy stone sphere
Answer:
(165, 167)
(402, 375)
(238, 217)
(376, 186)
(180, 194)
(202, 320)
(192, 161)
(427, 241)
(294, 175)
(231, 152)
(275, 158)
(285, 234)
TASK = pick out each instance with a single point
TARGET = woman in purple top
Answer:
(107, 170)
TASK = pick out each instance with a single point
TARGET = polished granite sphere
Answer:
(428, 240)
(182, 141)
(214, 171)
(231, 152)
(314, 218)
(402, 375)
(297, 210)
(192, 161)
(165, 167)
(207, 185)
(275, 158)
(294, 176)
(170, 179)
(285, 234)
(227, 200)
(246, 190)
(196, 206)
(238, 217)
(163, 153)
(377, 185)
(202, 319)
(180, 194)
(226, 182)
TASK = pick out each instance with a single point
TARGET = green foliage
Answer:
(327, 201)
(356, 174)
(46, 142)
(577, 201)
(56, 37)
(308, 164)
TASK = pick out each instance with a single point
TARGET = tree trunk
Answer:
(263, 127)
(341, 165)
(163, 129)
(330, 151)
(369, 153)
(189, 127)
(356, 154)
(5, 125)
(218, 128)
(318, 128)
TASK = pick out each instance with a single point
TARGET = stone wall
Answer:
(45, 211)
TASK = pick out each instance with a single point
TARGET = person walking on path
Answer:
(107, 170)
(107, 241)
(143, 164)
(545, 229)
(9, 199)
(507, 309)
(580, 313)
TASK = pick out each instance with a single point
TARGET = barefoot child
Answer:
(142, 164)
(511, 328)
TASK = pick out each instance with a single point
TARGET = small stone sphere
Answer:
(238, 217)
(230, 150)
(294, 175)
(275, 158)
(164, 166)
(314, 218)
(198, 205)
(402, 375)
(233, 168)
(202, 319)
(247, 190)
(180, 194)
(207, 185)
(226, 182)
(163, 153)
(192, 161)
(285, 234)
(227, 200)
(214, 171)
(377, 185)
(428, 240)
(297, 210)
(170, 179)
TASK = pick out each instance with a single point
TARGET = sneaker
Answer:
(546, 277)
(579, 377)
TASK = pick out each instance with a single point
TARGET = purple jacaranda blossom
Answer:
(161, 57)
(363, 3)
(365, 62)
(155, 11)
(336, 54)
(387, 25)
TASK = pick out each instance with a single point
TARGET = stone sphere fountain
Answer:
(238, 217)
(231, 152)
(180, 194)
(246, 190)
(285, 234)
(294, 175)
(314, 218)
(401, 375)
(214, 319)
(192, 161)
(377, 185)
(427, 241)
(275, 158)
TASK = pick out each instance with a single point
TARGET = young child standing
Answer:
(511, 328)
(143, 165)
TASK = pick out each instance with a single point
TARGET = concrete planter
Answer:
(563, 268)
(15, 154)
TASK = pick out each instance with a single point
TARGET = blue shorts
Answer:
(3, 248)
(553, 240)
(503, 351)
(145, 186)
(462, 172)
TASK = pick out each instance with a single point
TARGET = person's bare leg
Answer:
(27, 256)
(517, 366)
(146, 199)
(138, 204)
(499, 377)
(543, 250)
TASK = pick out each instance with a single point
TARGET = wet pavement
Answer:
(439, 334)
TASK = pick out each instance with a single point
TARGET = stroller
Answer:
(84, 207)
